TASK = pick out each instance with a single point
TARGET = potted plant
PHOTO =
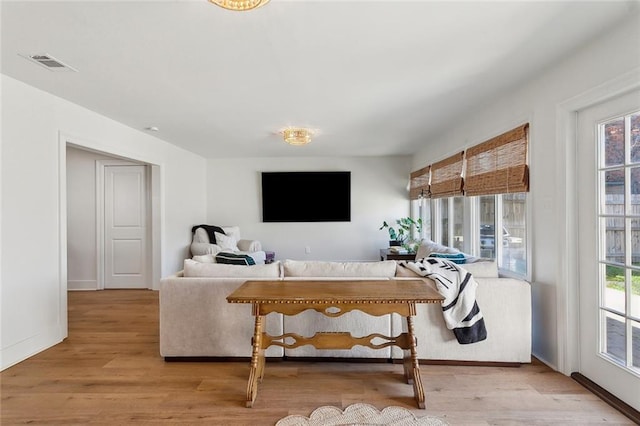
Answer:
(399, 234)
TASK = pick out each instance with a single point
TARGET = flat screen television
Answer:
(306, 196)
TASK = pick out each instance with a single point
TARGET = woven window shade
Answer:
(499, 165)
(419, 186)
(446, 177)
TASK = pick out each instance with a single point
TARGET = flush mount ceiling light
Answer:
(297, 135)
(239, 5)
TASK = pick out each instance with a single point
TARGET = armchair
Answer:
(231, 242)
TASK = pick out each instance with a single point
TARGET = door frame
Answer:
(101, 166)
(567, 306)
(156, 178)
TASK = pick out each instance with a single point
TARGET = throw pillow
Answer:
(234, 259)
(226, 242)
(454, 257)
(427, 247)
(211, 230)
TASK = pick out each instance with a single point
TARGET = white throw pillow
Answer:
(226, 242)
(427, 247)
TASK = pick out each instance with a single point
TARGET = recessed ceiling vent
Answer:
(50, 63)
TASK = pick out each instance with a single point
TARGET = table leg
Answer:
(411, 365)
(257, 361)
(408, 370)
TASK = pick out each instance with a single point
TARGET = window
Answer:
(489, 221)
(619, 219)
(514, 233)
(444, 220)
(487, 231)
(421, 209)
(480, 218)
(419, 193)
(503, 231)
(457, 215)
(451, 229)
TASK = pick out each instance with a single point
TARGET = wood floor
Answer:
(109, 372)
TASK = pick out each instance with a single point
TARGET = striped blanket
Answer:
(457, 286)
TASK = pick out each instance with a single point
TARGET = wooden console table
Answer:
(334, 298)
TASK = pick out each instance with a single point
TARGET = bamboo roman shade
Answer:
(446, 177)
(419, 186)
(499, 165)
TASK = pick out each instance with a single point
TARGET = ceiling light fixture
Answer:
(239, 5)
(297, 135)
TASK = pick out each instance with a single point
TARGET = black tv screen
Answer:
(306, 196)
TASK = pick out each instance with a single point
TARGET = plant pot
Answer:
(394, 243)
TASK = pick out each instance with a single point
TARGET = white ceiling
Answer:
(374, 77)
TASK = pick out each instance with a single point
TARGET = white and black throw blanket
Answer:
(457, 286)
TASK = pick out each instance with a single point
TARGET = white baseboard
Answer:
(24, 349)
(82, 285)
(546, 362)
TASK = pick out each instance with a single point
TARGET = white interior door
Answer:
(608, 161)
(125, 220)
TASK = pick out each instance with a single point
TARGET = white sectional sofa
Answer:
(197, 321)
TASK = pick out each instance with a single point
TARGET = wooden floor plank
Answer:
(109, 371)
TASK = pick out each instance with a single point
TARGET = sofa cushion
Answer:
(226, 242)
(308, 268)
(234, 259)
(196, 269)
(205, 258)
(403, 271)
(482, 269)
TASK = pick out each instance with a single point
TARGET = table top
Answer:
(335, 291)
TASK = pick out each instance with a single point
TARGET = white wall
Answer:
(33, 264)
(537, 101)
(378, 193)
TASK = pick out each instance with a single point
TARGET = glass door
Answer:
(619, 229)
(609, 245)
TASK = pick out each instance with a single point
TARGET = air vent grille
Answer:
(49, 62)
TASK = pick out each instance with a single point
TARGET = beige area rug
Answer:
(360, 414)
